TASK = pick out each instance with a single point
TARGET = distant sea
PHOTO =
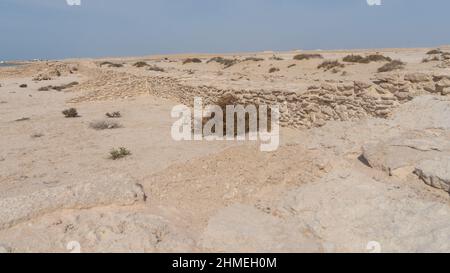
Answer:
(8, 64)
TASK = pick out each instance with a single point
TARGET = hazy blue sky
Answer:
(52, 29)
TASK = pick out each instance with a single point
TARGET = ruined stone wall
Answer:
(318, 104)
(324, 102)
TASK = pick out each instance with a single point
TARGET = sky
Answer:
(52, 29)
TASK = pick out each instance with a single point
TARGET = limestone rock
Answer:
(4, 249)
(348, 209)
(422, 113)
(242, 228)
(417, 77)
(99, 230)
(400, 155)
(101, 192)
(435, 172)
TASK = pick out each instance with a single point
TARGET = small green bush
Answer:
(119, 153)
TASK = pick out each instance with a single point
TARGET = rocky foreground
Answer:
(364, 159)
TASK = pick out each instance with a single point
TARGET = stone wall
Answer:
(313, 108)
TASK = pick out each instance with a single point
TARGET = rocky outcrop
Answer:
(399, 156)
(54, 70)
(97, 230)
(349, 209)
(242, 228)
(435, 172)
(101, 192)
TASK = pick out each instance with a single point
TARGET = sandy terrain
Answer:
(364, 158)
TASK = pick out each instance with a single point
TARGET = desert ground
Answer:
(363, 164)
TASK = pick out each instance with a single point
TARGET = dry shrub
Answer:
(119, 153)
(378, 58)
(354, 59)
(155, 68)
(114, 115)
(23, 119)
(37, 135)
(434, 51)
(58, 88)
(328, 65)
(253, 59)
(45, 88)
(301, 57)
(104, 124)
(391, 66)
(140, 64)
(276, 58)
(225, 62)
(445, 55)
(230, 100)
(23, 86)
(273, 69)
(365, 60)
(192, 60)
(110, 64)
(431, 59)
(70, 113)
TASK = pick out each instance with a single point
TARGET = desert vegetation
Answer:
(37, 135)
(431, 59)
(155, 68)
(119, 153)
(111, 64)
(70, 113)
(192, 60)
(140, 64)
(231, 100)
(59, 87)
(273, 69)
(367, 59)
(223, 61)
(434, 51)
(328, 65)
(276, 58)
(300, 57)
(253, 59)
(115, 114)
(391, 66)
(104, 125)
